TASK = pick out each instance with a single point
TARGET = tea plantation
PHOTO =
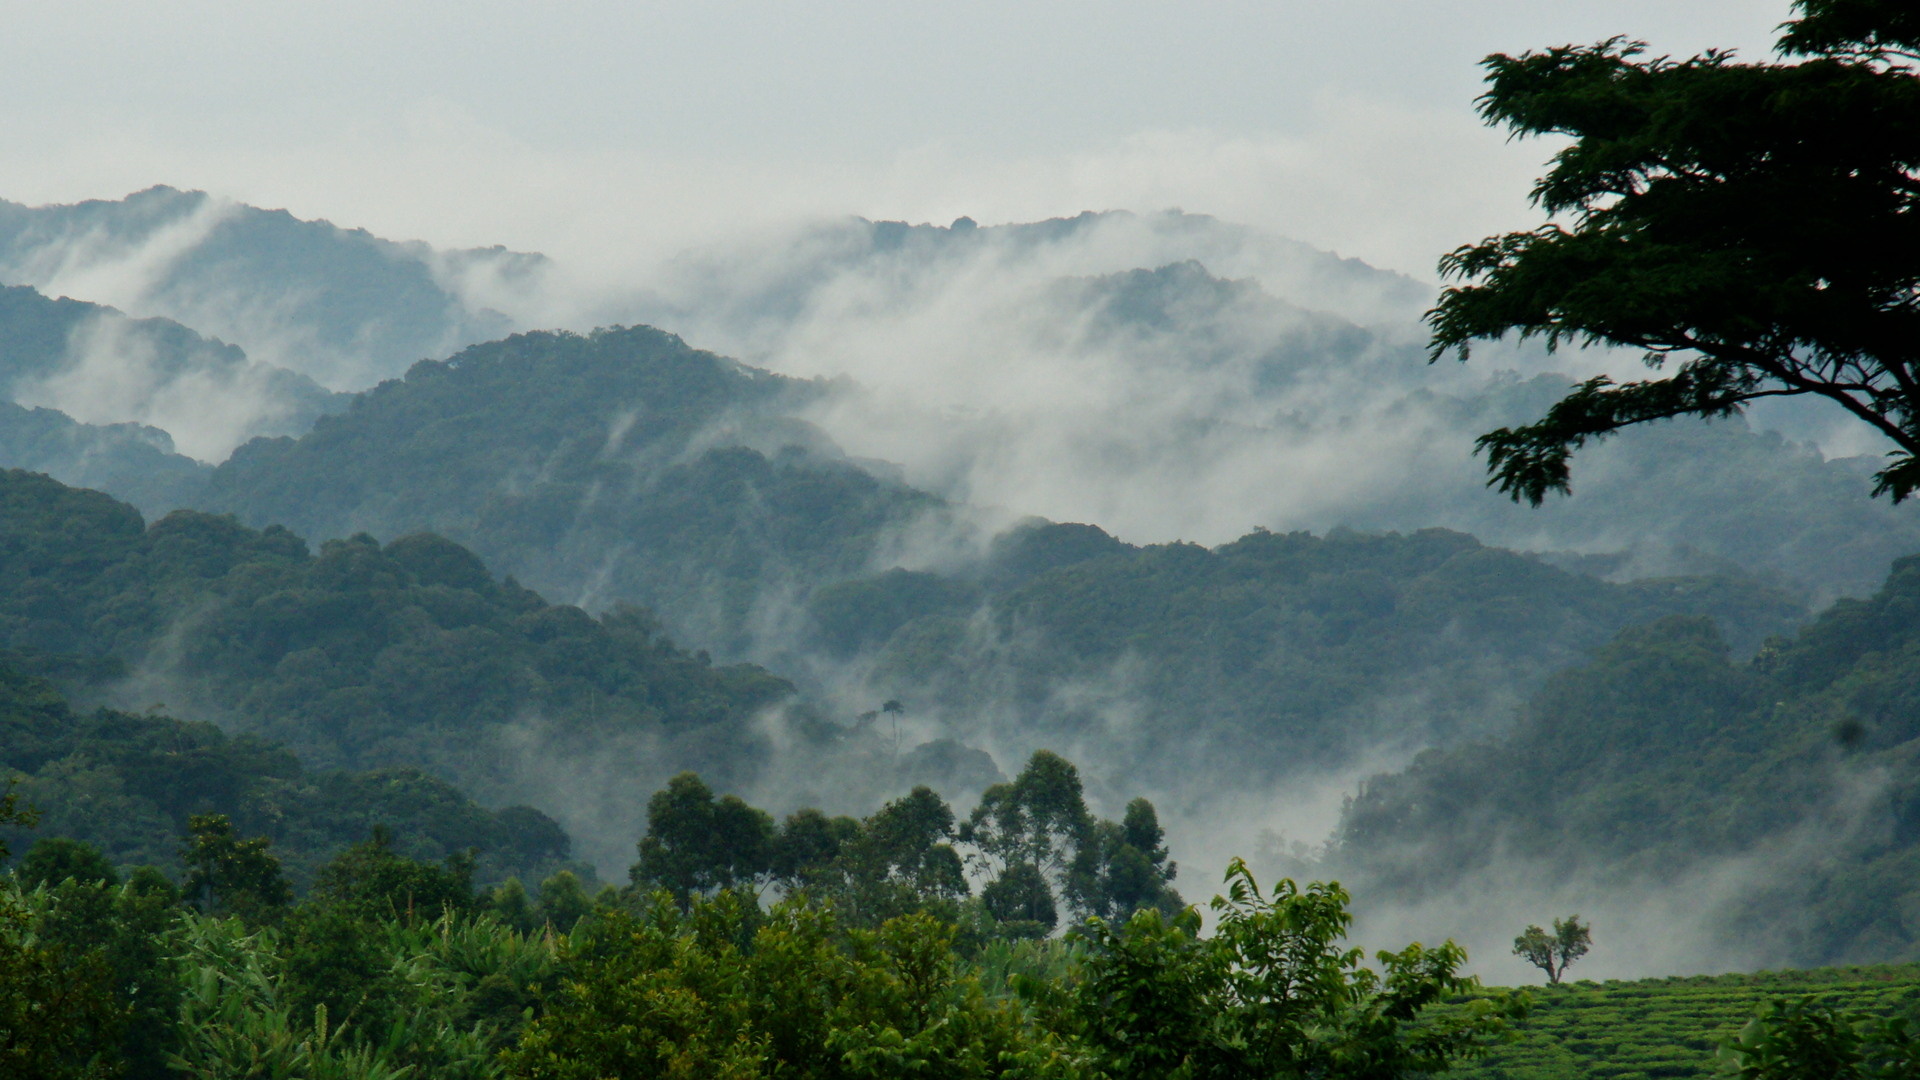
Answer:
(1658, 1028)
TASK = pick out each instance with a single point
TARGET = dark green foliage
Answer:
(586, 465)
(14, 815)
(1665, 750)
(230, 875)
(56, 859)
(1274, 993)
(362, 656)
(696, 844)
(1031, 833)
(721, 993)
(1296, 650)
(1804, 1041)
(1753, 222)
(1124, 868)
(372, 880)
(128, 932)
(563, 901)
(898, 861)
(59, 1016)
(1021, 899)
(855, 615)
(128, 785)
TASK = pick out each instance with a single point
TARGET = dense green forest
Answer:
(127, 784)
(618, 465)
(1297, 650)
(366, 656)
(584, 465)
(1666, 750)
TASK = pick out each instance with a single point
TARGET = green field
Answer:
(1670, 1027)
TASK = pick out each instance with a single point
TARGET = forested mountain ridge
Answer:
(1665, 753)
(1272, 656)
(128, 783)
(620, 465)
(131, 461)
(340, 306)
(99, 366)
(366, 656)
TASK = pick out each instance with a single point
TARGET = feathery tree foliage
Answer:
(1752, 229)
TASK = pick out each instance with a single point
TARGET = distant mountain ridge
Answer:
(1780, 795)
(99, 366)
(340, 306)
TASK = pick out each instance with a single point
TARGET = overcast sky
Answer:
(612, 132)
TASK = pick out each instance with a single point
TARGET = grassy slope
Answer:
(1670, 1027)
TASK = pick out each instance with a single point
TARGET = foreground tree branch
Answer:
(1756, 226)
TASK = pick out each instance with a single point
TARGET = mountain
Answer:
(620, 465)
(1211, 673)
(131, 461)
(127, 784)
(99, 367)
(1171, 376)
(1781, 794)
(340, 306)
(369, 656)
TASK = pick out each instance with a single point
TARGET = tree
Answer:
(698, 844)
(54, 859)
(371, 880)
(14, 814)
(1753, 230)
(1554, 953)
(1124, 868)
(1805, 1040)
(1274, 992)
(60, 1018)
(1029, 831)
(226, 873)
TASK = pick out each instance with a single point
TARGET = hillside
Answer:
(129, 461)
(127, 783)
(1671, 1027)
(1666, 754)
(1267, 659)
(98, 366)
(366, 656)
(1172, 376)
(620, 465)
(340, 306)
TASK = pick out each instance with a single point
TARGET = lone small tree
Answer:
(1554, 953)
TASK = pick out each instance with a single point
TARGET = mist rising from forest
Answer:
(1164, 376)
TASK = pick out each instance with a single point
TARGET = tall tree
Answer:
(228, 874)
(1030, 832)
(1752, 229)
(696, 843)
(1124, 868)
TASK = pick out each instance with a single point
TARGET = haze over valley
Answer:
(1276, 569)
(1054, 480)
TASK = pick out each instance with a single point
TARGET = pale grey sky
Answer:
(611, 132)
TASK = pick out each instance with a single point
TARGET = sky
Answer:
(614, 133)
